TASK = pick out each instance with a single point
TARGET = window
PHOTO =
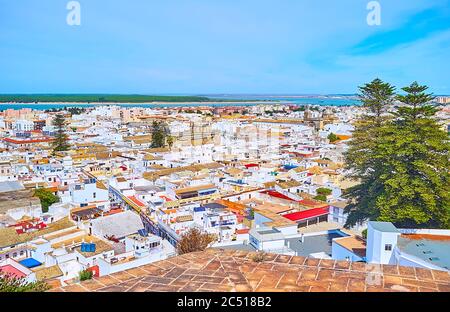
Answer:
(388, 247)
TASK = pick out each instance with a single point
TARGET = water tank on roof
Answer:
(85, 247)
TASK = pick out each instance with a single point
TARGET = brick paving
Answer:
(228, 271)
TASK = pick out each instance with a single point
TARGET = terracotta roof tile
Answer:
(229, 270)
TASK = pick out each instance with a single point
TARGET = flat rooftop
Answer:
(17, 199)
(434, 249)
(313, 244)
(276, 220)
(9, 236)
(270, 231)
(228, 270)
(100, 247)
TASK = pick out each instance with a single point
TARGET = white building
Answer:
(118, 225)
(22, 125)
(381, 240)
(139, 250)
(87, 192)
(269, 240)
(425, 248)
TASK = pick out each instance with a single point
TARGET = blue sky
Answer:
(221, 46)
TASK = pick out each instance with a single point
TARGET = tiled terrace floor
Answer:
(229, 270)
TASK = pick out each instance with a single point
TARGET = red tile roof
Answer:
(167, 199)
(427, 237)
(277, 195)
(312, 203)
(12, 271)
(15, 141)
(136, 201)
(307, 214)
(242, 231)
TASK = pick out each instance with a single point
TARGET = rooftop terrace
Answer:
(228, 270)
(17, 199)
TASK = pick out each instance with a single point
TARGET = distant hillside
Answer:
(97, 98)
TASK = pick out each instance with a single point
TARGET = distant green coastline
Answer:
(105, 98)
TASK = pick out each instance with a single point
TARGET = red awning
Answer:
(307, 214)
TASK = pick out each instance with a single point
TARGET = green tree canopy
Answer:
(9, 283)
(361, 158)
(415, 151)
(416, 103)
(46, 197)
(332, 137)
(324, 191)
(61, 139)
(85, 275)
(170, 140)
(377, 96)
(321, 197)
(160, 133)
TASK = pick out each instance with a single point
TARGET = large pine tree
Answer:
(160, 132)
(415, 152)
(61, 142)
(361, 159)
(403, 166)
